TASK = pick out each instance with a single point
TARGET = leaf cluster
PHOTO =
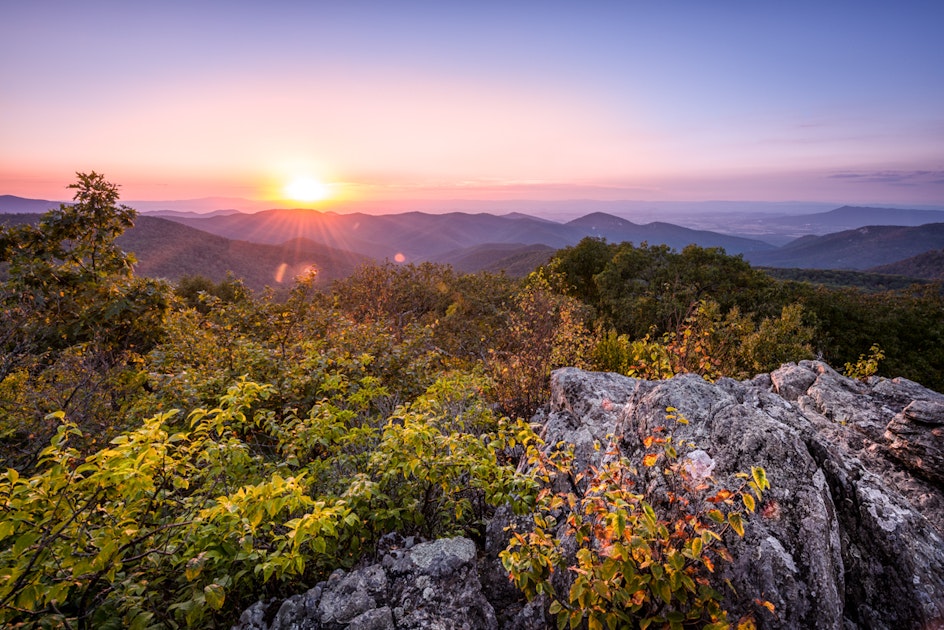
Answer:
(633, 560)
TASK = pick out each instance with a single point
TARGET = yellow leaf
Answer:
(746, 623)
(215, 595)
(735, 520)
(650, 460)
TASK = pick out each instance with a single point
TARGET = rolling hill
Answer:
(255, 246)
(166, 249)
(852, 217)
(929, 266)
(11, 204)
(170, 250)
(418, 236)
(515, 259)
(862, 248)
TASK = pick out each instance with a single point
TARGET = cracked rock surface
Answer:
(850, 535)
(414, 586)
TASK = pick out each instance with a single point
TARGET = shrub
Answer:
(638, 561)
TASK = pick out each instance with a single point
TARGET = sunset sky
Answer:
(839, 101)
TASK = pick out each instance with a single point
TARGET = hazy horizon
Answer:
(421, 102)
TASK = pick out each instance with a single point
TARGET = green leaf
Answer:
(24, 542)
(760, 477)
(6, 528)
(736, 524)
(748, 501)
(215, 595)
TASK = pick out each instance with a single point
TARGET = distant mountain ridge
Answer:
(11, 204)
(170, 250)
(166, 249)
(418, 236)
(861, 248)
(852, 217)
(513, 242)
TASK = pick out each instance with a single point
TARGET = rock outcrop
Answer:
(431, 585)
(851, 534)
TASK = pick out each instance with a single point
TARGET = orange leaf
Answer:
(650, 460)
(722, 495)
(765, 604)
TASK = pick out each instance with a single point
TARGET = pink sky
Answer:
(423, 101)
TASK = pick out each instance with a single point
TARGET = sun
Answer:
(306, 189)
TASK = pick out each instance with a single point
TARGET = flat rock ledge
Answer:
(851, 534)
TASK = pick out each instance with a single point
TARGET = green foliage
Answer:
(576, 268)
(77, 322)
(282, 435)
(197, 291)
(655, 297)
(844, 278)
(440, 464)
(777, 341)
(171, 520)
(651, 288)
(710, 345)
(158, 525)
(633, 560)
(544, 331)
(908, 325)
(866, 366)
(71, 284)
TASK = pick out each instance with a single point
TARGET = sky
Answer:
(676, 100)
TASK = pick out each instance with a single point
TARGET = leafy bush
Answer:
(710, 345)
(632, 560)
(866, 366)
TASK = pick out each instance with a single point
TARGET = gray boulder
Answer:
(432, 585)
(850, 535)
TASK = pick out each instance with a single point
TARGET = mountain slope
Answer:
(616, 229)
(11, 204)
(852, 217)
(166, 249)
(417, 236)
(929, 266)
(862, 248)
(515, 259)
(413, 235)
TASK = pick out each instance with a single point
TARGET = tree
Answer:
(76, 313)
(69, 280)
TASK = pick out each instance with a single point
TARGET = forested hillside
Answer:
(174, 454)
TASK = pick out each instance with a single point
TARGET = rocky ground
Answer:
(851, 534)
